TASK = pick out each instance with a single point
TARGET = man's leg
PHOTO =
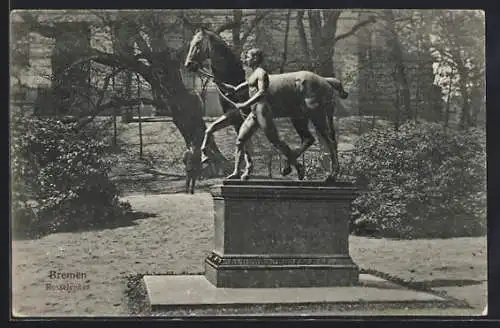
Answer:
(193, 182)
(188, 178)
(247, 129)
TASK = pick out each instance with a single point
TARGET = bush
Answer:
(60, 176)
(422, 181)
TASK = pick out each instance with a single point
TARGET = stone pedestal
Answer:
(281, 233)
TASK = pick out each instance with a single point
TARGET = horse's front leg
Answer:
(221, 123)
(206, 138)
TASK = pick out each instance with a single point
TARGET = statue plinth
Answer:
(281, 233)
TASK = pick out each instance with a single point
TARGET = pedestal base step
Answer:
(236, 271)
(195, 295)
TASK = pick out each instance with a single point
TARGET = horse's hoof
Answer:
(286, 171)
(233, 176)
(301, 172)
(245, 177)
(330, 179)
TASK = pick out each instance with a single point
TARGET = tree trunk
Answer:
(329, 30)
(285, 50)
(123, 44)
(465, 117)
(302, 35)
(315, 30)
(127, 112)
(70, 86)
(399, 66)
(323, 39)
(237, 44)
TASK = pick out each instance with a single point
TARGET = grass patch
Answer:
(137, 295)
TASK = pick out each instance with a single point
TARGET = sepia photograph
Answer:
(244, 163)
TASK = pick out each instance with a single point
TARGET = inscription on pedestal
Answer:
(216, 259)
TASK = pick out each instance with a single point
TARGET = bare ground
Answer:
(173, 233)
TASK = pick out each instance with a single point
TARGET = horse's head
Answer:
(199, 50)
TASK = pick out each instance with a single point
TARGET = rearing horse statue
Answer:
(302, 96)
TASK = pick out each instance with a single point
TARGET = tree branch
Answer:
(189, 24)
(254, 24)
(143, 46)
(355, 28)
(126, 62)
(116, 103)
(102, 93)
(114, 60)
(97, 106)
(332, 17)
(229, 25)
(35, 26)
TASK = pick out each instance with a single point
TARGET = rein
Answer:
(207, 74)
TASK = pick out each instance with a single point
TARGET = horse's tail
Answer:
(337, 85)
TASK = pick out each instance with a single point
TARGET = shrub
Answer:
(60, 176)
(420, 181)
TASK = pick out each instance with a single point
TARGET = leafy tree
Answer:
(459, 48)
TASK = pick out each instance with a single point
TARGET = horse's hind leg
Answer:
(301, 125)
(265, 119)
(319, 120)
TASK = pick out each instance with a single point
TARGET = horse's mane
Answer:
(226, 66)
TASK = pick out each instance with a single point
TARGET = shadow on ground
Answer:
(126, 220)
(157, 185)
(423, 285)
(436, 283)
(162, 183)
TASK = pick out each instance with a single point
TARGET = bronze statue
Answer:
(303, 96)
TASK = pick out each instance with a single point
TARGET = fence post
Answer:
(140, 108)
(115, 132)
(270, 165)
(115, 129)
(140, 129)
